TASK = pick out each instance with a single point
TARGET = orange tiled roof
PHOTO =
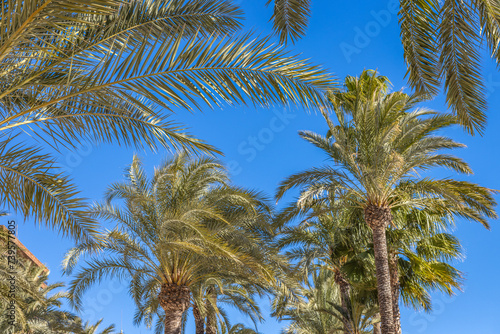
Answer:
(25, 252)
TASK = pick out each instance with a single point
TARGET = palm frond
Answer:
(290, 18)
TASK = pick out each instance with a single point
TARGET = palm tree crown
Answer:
(176, 230)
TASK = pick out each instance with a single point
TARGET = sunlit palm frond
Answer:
(290, 18)
(32, 184)
(185, 225)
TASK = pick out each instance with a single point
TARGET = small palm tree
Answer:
(240, 329)
(33, 306)
(102, 71)
(322, 311)
(376, 149)
(88, 328)
(175, 230)
(209, 298)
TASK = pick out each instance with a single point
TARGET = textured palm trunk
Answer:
(345, 296)
(174, 299)
(395, 287)
(211, 329)
(198, 320)
(376, 328)
(378, 218)
(211, 323)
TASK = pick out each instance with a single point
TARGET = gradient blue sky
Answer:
(262, 146)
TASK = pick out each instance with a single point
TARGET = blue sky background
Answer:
(261, 147)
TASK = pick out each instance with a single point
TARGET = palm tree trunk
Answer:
(393, 266)
(198, 320)
(378, 218)
(376, 328)
(211, 329)
(345, 296)
(174, 299)
(211, 324)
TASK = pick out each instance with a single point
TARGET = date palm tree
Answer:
(112, 71)
(381, 141)
(441, 42)
(175, 230)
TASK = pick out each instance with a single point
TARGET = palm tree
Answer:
(441, 45)
(321, 311)
(101, 71)
(210, 296)
(362, 317)
(182, 226)
(328, 241)
(377, 148)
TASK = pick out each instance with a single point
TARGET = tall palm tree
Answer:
(176, 229)
(441, 42)
(102, 71)
(380, 143)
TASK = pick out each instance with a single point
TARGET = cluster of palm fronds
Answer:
(112, 71)
(371, 233)
(29, 305)
(441, 42)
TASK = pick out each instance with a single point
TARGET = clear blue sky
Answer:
(262, 147)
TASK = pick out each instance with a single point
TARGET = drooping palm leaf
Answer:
(102, 71)
(290, 18)
(441, 42)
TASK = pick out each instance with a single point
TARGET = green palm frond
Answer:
(418, 21)
(290, 18)
(441, 42)
(459, 41)
(100, 72)
(33, 185)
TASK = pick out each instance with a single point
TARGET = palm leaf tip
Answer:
(290, 18)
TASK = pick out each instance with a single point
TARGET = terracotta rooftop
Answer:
(24, 252)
